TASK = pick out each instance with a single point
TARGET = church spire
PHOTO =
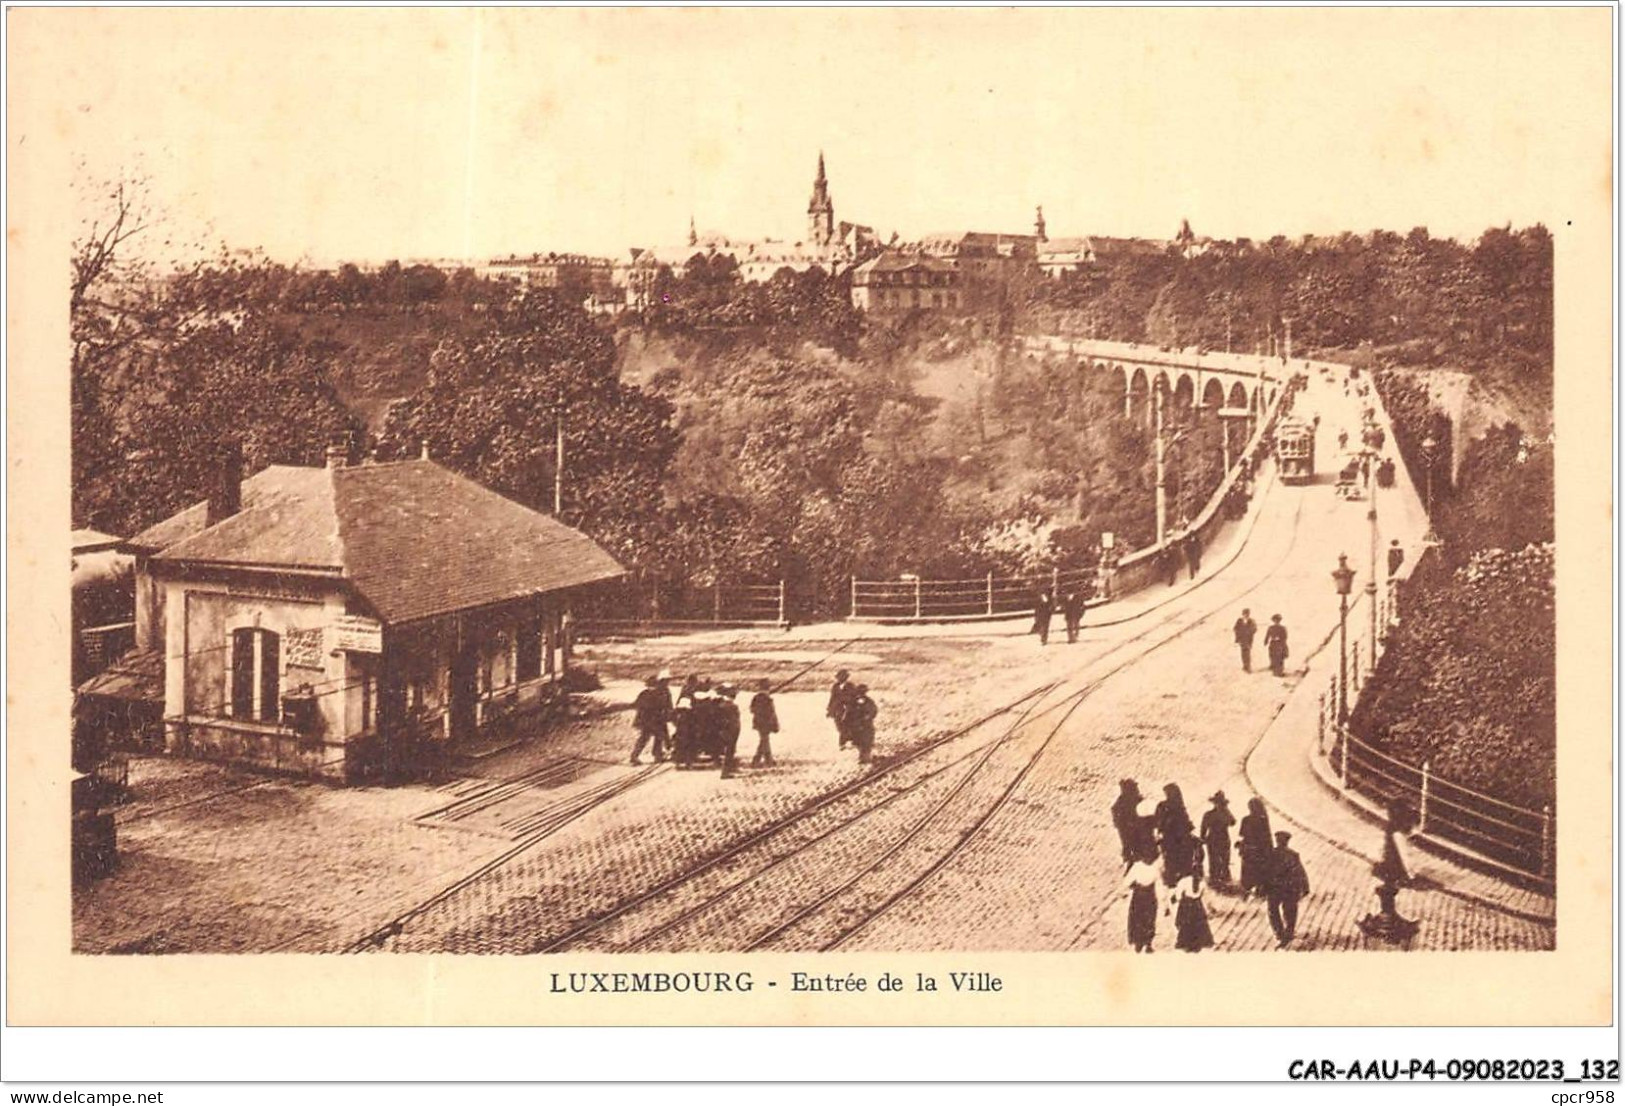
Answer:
(1038, 225)
(693, 238)
(820, 209)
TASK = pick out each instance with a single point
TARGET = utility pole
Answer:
(558, 460)
(1162, 465)
(1371, 580)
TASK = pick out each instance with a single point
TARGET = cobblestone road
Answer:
(997, 837)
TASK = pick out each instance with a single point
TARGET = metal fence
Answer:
(961, 600)
(682, 604)
(1510, 835)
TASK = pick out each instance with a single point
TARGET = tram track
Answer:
(920, 832)
(941, 843)
(537, 829)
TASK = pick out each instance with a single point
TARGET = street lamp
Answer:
(1428, 446)
(1371, 516)
(1343, 575)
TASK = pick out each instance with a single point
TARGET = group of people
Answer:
(853, 713)
(702, 721)
(1270, 867)
(1072, 603)
(1187, 551)
(1246, 630)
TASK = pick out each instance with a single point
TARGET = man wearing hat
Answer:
(1216, 825)
(1287, 883)
(650, 713)
(1244, 630)
(727, 728)
(764, 719)
(861, 711)
(840, 702)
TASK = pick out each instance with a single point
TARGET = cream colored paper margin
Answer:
(50, 986)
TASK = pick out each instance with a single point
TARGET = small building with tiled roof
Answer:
(354, 621)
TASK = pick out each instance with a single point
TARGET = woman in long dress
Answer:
(1256, 846)
(1192, 933)
(1141, 883)
(1175, 833)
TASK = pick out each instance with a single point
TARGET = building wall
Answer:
(149, 608)
(200, 720)
(199, 716)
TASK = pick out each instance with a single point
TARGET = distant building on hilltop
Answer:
(829, 245)
(898, 281)
(570, 271)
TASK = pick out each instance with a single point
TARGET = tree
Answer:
(493, 404)
(171, 363)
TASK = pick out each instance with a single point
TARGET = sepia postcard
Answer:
(810, 516)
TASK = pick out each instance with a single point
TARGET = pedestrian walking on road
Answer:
(1275, 644)
(650, 713)
(840, 699)
(1191, 930)
(1245, 630)
(1126, 818)
(1255, 847)
(1288, 883)
(1170, 563)
(1394, 871)
(1175, 834)
(862, 713)
(1216, 823)
(1072, 612)
(727, 728)
(1043, 611)
(764, 719)
(1193, 553)
(1396, 557)
(1140, 881)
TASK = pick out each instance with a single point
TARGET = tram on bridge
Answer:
(1295, 451)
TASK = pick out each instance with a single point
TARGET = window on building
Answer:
(256, 674)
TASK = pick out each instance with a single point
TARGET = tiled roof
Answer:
(86, 541)
(137, 675)
(895, 261)
(286, 519)
(420, 540)
(413, 538)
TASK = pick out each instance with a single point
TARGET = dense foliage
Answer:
(1469, 682)
(1420, 300)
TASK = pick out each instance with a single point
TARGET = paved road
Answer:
(998, 837)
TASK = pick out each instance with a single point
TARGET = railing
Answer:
(1510, 835)
(716, 604)
(966, 600)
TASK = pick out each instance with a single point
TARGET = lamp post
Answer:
(1428, 446)
(1371, 580)
(1343, 575)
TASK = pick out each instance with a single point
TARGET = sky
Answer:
(326, 135)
